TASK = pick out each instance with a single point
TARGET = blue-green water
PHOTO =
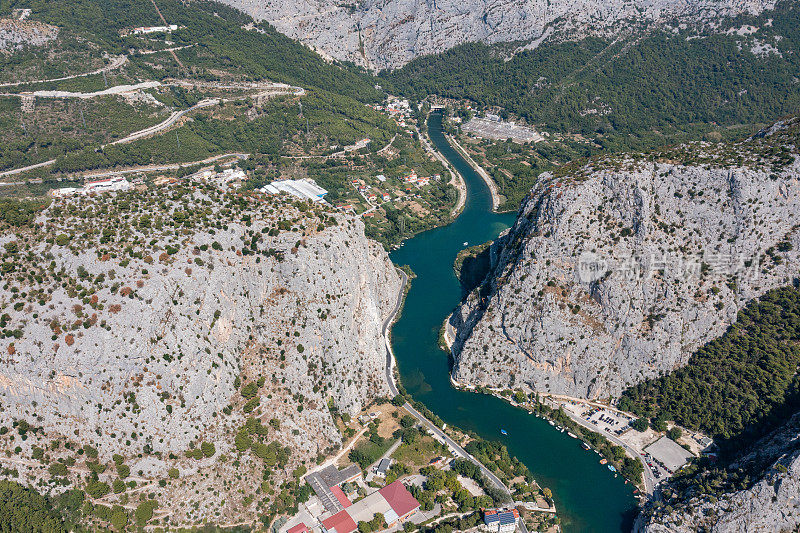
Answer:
(587, 495)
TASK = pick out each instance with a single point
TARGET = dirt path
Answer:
(172, 52)
(115, 63)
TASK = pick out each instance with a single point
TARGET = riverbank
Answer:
(492, 186)
(541, 409)
(456, 180)
(391, 364)
(586, 494)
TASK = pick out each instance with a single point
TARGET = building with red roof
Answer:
(400, 500)
(341, 497)
(341, 522)
(393, 501)
(299, 528)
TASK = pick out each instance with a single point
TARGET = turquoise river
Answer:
(588, 497)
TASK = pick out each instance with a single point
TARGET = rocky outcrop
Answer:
(134, 322)
(617, 271)
(16, 34)
(772, 503)
(389, 33)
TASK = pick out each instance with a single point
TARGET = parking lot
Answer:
(665, 456)
(491, 129)
(607, 420)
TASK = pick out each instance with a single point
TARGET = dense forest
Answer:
(737, 387)
(667, 83)
(25, 510)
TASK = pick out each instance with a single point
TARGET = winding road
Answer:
(459, 450)
(266, 89)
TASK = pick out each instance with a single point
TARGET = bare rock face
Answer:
(389, 33)
(16, 34)
(772, 503)
(147, 323)
(620, 270)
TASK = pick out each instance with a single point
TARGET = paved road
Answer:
(116, 89)
(155, 168)
(457, 447)
(386, 324)
(649, 480)
(29, 167)
(152, 130)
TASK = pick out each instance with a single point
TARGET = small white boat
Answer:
(551, 422)
(571, 434)
(465, 243)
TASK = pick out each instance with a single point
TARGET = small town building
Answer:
(437, 461)
(142, 30)
(327, 485)
(232, 174)
(299, 528)
(500, 520)
(383, 467)
(115, 184)
(305, 189)
(393, 501)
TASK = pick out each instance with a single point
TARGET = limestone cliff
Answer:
(389, 33)
(146, 323)
(617, 271)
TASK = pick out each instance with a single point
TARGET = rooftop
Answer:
(305, 189)
(341, 497)
(339, 523)
(669, 452)
(401, 501)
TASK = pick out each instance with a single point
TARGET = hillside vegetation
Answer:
(642, 89)
(738, 386)
(217, 33)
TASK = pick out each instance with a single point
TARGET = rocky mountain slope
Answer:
(770, 504)
(145, 324)
(618, 270)
(16, 34)
(389, 33)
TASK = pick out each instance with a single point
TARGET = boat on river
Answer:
(571, 434)
(585, 446)
(503, 432)
(611, 467)
(603, 461)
